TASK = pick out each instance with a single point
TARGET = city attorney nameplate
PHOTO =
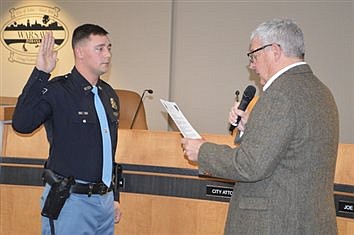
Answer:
(219, 191)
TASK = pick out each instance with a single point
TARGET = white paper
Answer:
(181, 122)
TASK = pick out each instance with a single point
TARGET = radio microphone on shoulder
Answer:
(247, 96)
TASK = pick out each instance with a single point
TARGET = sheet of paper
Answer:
(181, 122)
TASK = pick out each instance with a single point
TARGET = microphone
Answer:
(141, 101)
(247, 96)
(236, 94)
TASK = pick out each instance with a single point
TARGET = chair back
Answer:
(129, 102)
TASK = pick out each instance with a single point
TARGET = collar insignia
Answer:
(87, 88)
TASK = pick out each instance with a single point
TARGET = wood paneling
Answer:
(7, 107)
(20, 210)
(148, 214)
(142, 213)
(345, 166)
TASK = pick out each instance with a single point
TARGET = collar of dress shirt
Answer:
(280, 72)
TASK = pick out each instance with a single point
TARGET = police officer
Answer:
(66, 107)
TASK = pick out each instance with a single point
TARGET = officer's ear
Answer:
(78, 52)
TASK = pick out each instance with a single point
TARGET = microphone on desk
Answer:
(247, 96)
(140, 102)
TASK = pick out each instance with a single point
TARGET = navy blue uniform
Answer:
(65, 105)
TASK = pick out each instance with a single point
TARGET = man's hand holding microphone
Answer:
(238, 118)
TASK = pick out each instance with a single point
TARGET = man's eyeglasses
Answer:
(250, 55)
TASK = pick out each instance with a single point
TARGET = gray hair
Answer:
(285, 33)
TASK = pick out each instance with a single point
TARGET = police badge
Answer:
(113, 104)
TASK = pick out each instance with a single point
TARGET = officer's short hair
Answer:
(84, 31)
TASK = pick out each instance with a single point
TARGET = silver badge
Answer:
(113, 103)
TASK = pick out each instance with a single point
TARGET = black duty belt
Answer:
(89, 189)
(80, 188)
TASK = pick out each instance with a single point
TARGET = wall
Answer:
(211, 40)
(193, 52)
(140, 36)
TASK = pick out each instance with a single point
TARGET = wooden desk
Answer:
(162, 192)
(7, 106)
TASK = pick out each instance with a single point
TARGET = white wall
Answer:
(210, 63)
(140, 36)
(193, 52)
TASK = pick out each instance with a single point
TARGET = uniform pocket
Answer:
(84, 118)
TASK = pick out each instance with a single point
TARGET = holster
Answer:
(58, 193)
(117, 176)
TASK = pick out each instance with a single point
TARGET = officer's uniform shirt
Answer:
(65, 105)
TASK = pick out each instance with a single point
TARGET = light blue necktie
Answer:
(106, 139)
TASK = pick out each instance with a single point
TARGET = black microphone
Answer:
(236, 94)
(247, 96)
(141, 101)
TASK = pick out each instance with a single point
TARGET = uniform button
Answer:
(84, 121)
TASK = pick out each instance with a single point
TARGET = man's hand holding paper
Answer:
(192, 140)
(191, 148)
(181, 122)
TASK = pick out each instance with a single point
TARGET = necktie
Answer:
(106, 139)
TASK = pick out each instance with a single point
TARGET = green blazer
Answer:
(284, 166)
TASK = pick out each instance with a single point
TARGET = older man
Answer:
(285, 163)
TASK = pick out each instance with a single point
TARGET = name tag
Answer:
(219, 191)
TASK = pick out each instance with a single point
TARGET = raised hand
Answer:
(46, 59)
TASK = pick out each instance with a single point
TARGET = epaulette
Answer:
(59, 78)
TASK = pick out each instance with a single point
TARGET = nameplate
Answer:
(346, 207)
(219, 191)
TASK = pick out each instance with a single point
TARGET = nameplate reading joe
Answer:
(346, 207)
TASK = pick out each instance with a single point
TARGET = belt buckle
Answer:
(102, 188)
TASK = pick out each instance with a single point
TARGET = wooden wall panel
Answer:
(345, 226)
(142, 213)
(345, 164)
(33, 145)
(20, 210)
(149, 214)
(138, 146)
